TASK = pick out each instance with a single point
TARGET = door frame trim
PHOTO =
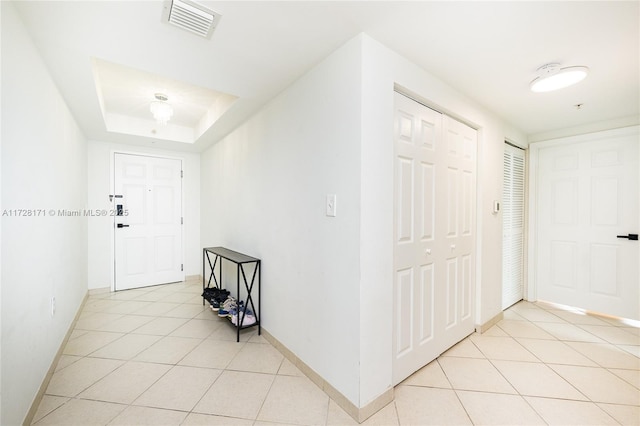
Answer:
(534, 150)
(112, 237)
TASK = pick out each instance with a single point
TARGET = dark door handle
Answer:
(630, 236)
(122, 225)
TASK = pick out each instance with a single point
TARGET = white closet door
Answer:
(513, 226)
(434, 235)
(418, 147)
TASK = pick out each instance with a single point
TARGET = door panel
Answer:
(604, 269)
(405, 202)
(452, 204)
(434, 203)
(136, 196)
(163, 201)
(427, 218)
(466, 291)
(467, 202)
(404, 297)
(460, 246)
(426, 298)
(513, 215)
(135, 256)
(452, 292)
(587, 194)
(417, 137)
(148, 248)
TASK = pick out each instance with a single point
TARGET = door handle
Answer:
(630, 236)
(122, 225)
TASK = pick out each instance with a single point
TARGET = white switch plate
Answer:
(331, 205)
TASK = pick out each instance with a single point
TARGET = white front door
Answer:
(434, 224)
(148, 234)
(586, 196)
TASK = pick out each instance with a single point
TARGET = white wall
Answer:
(43, 167)
(99, 160)
(382, 69)
(1, 204)
(592, 127)
(328, 282)
(263, 193)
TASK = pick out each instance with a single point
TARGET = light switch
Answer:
(331, 205)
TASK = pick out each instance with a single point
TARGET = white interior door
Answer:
(458, 247)
(587, 194)
(512, 225)
(433, 234)
(148, 235)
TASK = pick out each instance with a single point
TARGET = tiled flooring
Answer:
(157, 356)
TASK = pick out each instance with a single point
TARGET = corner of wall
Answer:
(272, 175)
(382, 70)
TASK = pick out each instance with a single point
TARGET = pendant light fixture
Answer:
(161, 109)
(553, 77)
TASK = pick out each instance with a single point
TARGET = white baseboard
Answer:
(52, 368)
(481, 328)
(359, 414)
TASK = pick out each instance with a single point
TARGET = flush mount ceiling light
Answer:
(553, 77)
(161, 109)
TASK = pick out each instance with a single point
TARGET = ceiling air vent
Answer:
(191, 16)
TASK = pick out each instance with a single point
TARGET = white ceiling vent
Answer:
(191, 16)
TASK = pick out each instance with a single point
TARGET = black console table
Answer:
(240, 260)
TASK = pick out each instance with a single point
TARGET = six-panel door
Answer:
(587, 195)
(434, 222)
(148, 235)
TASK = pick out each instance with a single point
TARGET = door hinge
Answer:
(181, 173)
(182, 221)
(182, 267)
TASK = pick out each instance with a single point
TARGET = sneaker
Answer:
(246, 317)
(225, 309)
(215, 305)
(208, 293)
(245, 314)
(215, 296)
(219, 300)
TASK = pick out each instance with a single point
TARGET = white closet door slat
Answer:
(513, 226)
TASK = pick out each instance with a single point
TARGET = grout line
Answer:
(455, 392)
(185, 290)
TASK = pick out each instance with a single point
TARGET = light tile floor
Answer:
(157, 356)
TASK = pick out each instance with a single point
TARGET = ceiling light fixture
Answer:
(161, 109)
(552, 77)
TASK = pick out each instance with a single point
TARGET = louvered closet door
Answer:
(513, 226)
